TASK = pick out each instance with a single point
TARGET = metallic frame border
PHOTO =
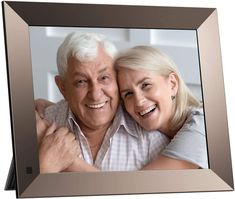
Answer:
(18, 16)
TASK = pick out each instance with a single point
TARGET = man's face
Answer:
(91, 91)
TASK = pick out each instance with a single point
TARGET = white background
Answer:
(226, 15)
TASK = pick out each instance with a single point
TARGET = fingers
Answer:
(62, 130)
(39, 107)
(60, 135)
(51, 129)
(38, 118)
(42, 126)
(67, 139)
(41, 121)
(71, 136)
(73, 148)
(58, 150)
(78, 150)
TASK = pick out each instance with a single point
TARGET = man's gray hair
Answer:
(84, 47)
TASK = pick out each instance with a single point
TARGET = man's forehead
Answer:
(96, 67)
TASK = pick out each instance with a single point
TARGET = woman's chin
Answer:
(150, 126)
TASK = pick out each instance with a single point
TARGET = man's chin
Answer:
(95, 119)
(100, 123)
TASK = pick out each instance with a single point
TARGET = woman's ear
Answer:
(60, 84)
(173, 83)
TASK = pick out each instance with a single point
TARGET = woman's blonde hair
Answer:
(149, 58)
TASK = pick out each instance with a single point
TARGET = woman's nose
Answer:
(139, 99)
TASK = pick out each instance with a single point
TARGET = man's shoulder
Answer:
(57, 107)
(55, 111)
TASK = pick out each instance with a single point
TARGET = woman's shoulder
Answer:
(195, 111)
(195, 121)
(190, 141)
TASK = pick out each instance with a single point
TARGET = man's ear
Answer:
(174, 83)
(60, 84)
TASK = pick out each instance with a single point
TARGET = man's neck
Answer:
(95, 138)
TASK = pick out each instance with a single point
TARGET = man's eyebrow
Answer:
(102, 70)
(84, 75)
(79, 74)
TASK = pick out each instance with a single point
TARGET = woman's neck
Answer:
(171, 131)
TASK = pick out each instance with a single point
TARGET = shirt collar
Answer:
(72, 122)
(121, 119)
(124, 120)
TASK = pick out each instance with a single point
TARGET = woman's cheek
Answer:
(128, 106)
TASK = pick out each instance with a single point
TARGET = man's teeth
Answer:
(148, 110)
(96, 106)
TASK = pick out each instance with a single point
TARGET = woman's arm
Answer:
(163, 162)
(81, 165)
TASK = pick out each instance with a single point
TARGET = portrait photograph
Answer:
(116, 99)
(180, 44)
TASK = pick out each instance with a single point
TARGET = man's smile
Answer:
(97, 105)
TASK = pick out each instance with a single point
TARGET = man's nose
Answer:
(95, 92)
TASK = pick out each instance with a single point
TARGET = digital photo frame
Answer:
(19, 16)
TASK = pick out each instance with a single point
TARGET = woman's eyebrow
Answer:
(124, 90)
(142, 80)
(138, 82)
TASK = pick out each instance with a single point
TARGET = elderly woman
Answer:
(156, 97)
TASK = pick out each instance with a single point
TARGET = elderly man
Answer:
(108, 138)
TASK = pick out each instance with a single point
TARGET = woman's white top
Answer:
(189, 143)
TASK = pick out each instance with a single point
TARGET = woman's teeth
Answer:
(149, 109)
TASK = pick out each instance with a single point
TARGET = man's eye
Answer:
(105, 77)
(80, 82)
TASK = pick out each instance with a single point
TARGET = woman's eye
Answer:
(145, 85)
(127, 94)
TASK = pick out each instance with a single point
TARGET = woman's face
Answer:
(147, 97)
